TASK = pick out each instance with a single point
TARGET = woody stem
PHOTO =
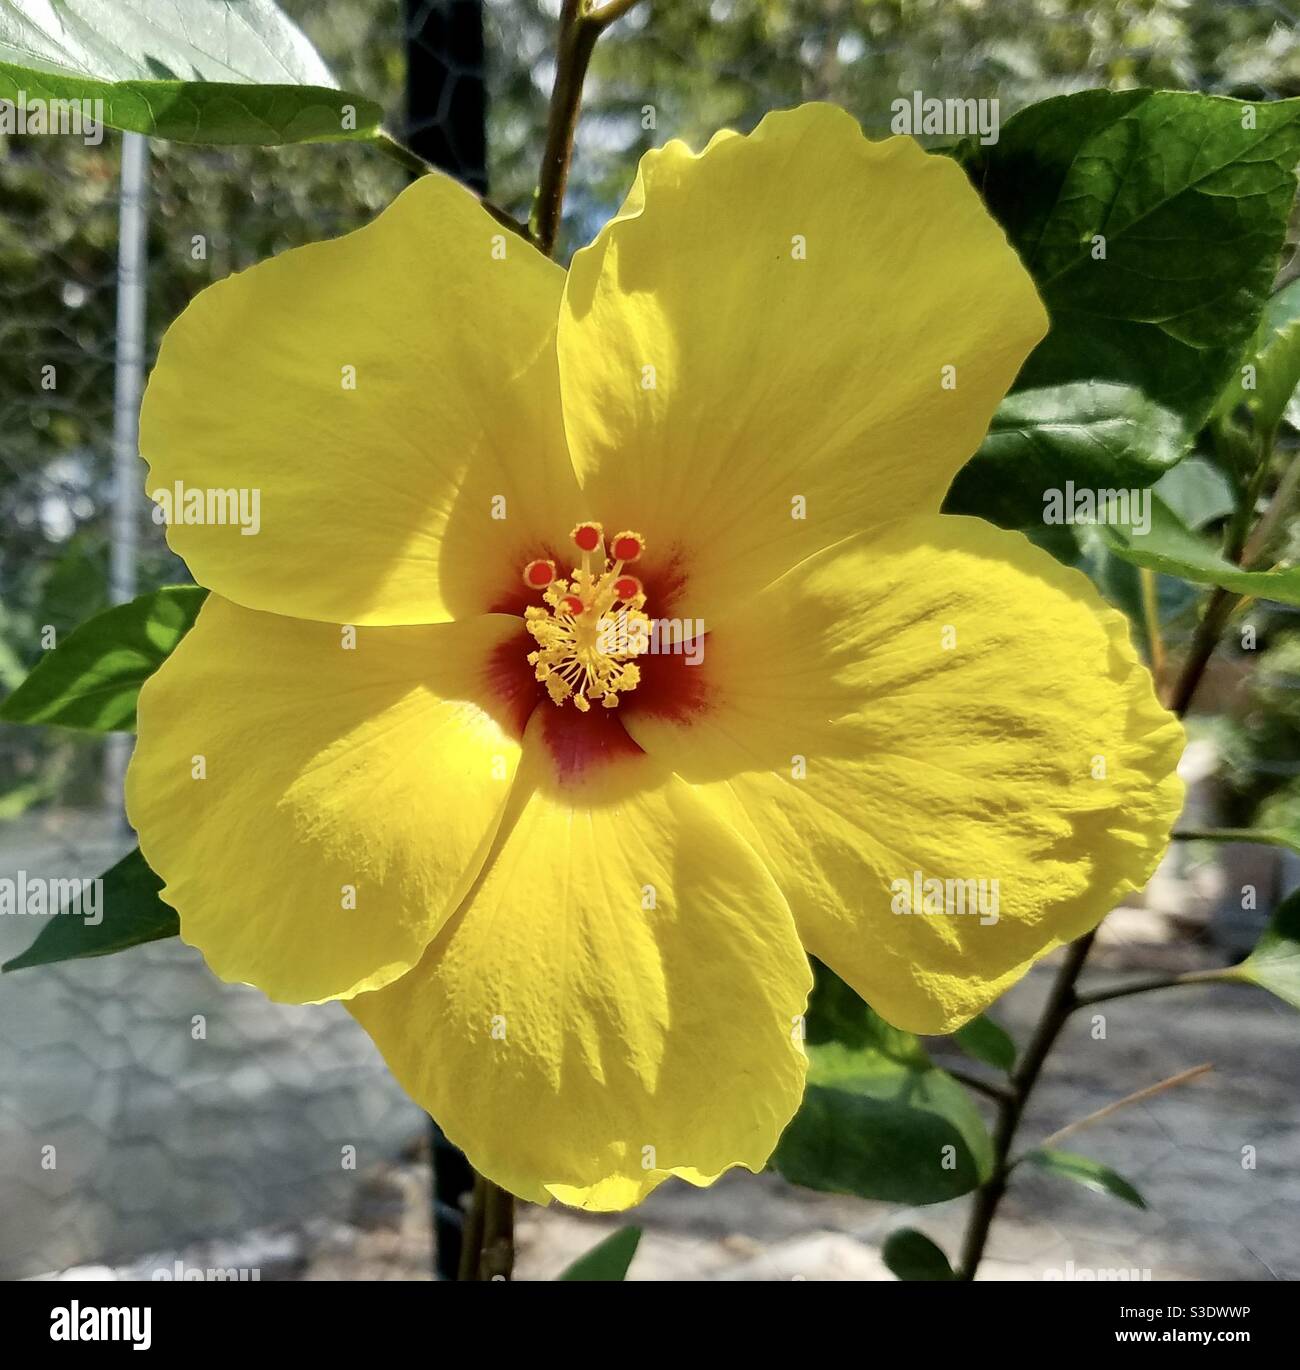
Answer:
(581, 24)
(488, 1245)
(1060, 1004)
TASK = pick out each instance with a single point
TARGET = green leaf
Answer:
(1197, 492)
(1190, 205)
(607, 1260)
(1171, 547)
(129, 912)
(198, 71)
(879, 1119)
(911, 1255)
(1274, 964)
(1093, 433)
(836, 1013)
(984, 1040)
(91, 679)
(1087, 1172)
(1276, 361)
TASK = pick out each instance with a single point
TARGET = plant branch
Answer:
(404, 156)
(1247, 552)
(1279, 506)
(1191, 977)
(604, 15)
(1057, 1010)
(1205, 639)
(989, 1087)
(1062, 1001)
(1269, 837)
(411, 161)
(580, 26)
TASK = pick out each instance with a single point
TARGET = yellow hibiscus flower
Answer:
(567, 886)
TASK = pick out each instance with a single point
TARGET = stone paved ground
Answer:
(1208, 1217)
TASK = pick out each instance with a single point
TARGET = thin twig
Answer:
(1136, 1097)
(404, 156)
(989, 1087)
(1191, 977)
(411, 161)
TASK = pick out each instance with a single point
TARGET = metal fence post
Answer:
(128, 385)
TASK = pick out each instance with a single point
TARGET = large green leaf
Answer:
(879, 1119)
(1087, 1172)
(1171, 547)
(911, 1255)
(1274, 964)
(608, 1260)
(198, 71)
(1189, 203)
(1093, 433)
(92, 678)
(130, 912)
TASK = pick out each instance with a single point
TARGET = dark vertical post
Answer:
(452, 1184)
(446, 93)
(446, 124)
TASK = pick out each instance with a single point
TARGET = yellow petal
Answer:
(392, 396)
(936, 700)
(768, 323)
(618, 1001)
(317, 811)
